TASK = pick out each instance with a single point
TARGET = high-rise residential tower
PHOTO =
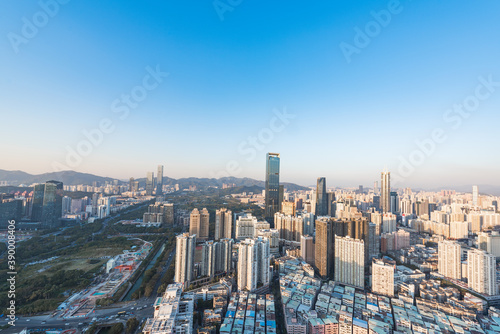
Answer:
(272, 200)
(475, 195)
(321, 197)
(323, 259)
(450, 259)
(350, 261)
(482, 275)
(184, 258)
(385, 195)
(253, 264)
(383, 276)
(223, 224)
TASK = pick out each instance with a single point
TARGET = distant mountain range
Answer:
(17, 178)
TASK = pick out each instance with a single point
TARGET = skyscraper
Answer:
(321, 197)
(204, 224)
(194, 222)
(253, 264)
(350, 261)
(385, 196)
(47, 203)
(323, 248)
(159, 181)
(450, 259)
(272, 200)
(475, 195)
(184, 258)
(149, 183)
(394, 202)
(482, 272)
(223, 224)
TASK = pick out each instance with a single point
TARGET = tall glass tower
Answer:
(321, 197)
(159, 181)
(272, 185)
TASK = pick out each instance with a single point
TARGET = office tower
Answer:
(10, 210)
(376, 202)
(350, 261)
(223, 224)
(385, 198)
(36, 211)
(131, 184)
(194, 222)
(321, 197)
(184, 258)
(331, 204)
(52, 203)
(272, 185)
(489, 242)
(375, 187)
(66, 204)
(281, 195)
(307, 249)
(149, 183)
(450, 259)
(475, 195)
(383, 276)
(287, 208)
(253, 264)
(159, 181)
(389, 223)
(323, 259)
(207, 265)
(394, 202)
(245, 227)
(482, 272)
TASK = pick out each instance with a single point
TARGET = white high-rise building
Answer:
(245, 226)
(383, 277)
(389, 223)
(482, 272)
(184, 258)
(350, 261)
(459, 230)
(475, 195)
(450, 259)
(253, 264)
(489, 242)
(385, 194)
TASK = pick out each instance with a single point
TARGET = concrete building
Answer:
(223, 224)
(245, 226)
(323, 259)
(383, 276)
(450, 259)
(184, 258)
(350, 261)
(481, 275)
(253, 264)
(307, 249)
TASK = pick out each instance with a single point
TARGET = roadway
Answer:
(140, 309)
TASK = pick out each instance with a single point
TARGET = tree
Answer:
(116, 328)
(132, 324)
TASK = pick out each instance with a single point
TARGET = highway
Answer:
(140, 309)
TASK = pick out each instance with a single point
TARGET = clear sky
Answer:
(361, 91)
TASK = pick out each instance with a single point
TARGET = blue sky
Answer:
(226, 79)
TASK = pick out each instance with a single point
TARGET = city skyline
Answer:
(231, 80)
